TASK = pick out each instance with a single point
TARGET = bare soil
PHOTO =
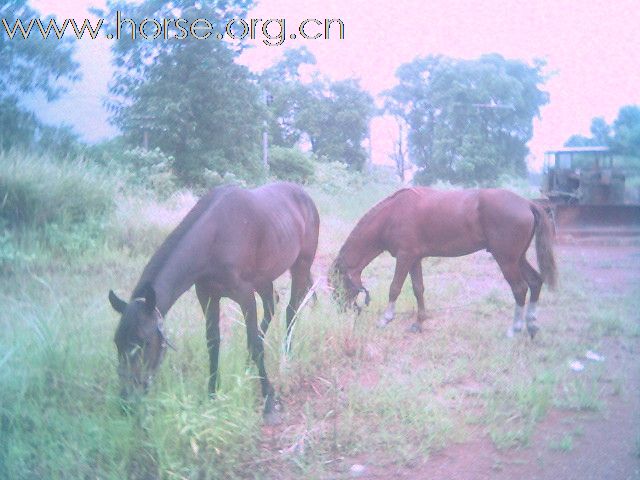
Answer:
(608, 443)
(602, 445)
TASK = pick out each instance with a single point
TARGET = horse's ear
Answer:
(117, 304)
(149, 297)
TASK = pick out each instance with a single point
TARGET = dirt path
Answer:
(606, 447)
(598, 446)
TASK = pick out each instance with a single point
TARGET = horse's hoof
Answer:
(382, 322)
(532, 329)
(510, 332)
(272, 411)
(272, 419)
(415, 328)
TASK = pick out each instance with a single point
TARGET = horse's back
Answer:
(261, 232)
(457, 222)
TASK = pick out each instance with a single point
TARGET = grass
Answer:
(563, 444)
(350, 389)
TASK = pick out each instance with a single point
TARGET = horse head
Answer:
(347, 286)
(139, 339)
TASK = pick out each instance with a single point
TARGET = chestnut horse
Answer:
(415, 223)
(234, 242)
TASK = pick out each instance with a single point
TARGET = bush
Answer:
(290, 164)
(211, 179)
(150, 169)
(35, 191)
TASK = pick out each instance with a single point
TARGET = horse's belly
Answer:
(272, 264)
(455, 244)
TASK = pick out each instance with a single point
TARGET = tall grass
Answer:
(51, 208)
(36, 191)
(349, 389)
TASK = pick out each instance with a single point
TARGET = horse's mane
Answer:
(159, 259)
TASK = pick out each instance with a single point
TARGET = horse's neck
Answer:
(178, 273)
(360, 248)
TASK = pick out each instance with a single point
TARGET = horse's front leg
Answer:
(256, 347)
(403, 263)
(268, 305)
(210, 303)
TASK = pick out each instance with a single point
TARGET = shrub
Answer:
(290, 164)
(35, 191)
(211, 179)
(150, 169)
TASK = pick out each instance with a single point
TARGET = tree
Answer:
(623, 136)
(288, 96)
(469, 120)
(29, 65)
(334, 116)
(336, 120)
(600, 131)
(188, 97)
(580, 141)
(626, 131)
(399, 154)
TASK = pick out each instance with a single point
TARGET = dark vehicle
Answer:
(585, 193)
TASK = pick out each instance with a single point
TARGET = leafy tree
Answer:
(336, 121)
(29, 65)
(188, 97)
(580, 141)
(469, 120)
(287, 96)
(600, 131)
(626, 131)
(623, 136)
(333, 116)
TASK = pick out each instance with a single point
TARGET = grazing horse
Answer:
(414, 223)
(234, 242)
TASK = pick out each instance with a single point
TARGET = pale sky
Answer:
(591, 45)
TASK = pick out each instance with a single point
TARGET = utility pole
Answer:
(268, 100)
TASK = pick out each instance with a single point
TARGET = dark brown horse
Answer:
(414, 223)
(234, 242)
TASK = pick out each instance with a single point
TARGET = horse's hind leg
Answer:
(534, 280)
(403, 264)
(266, 294)
(513, 274)
(300, 284)
(210, 303)
(418, 290)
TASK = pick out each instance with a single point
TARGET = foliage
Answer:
(469, 120)
(622, 136)
(148, 168)
(59, 142)
(336, 121)
(33, 65)
(287, 96)
(290, 164)
(74, 191)
(626, 131)
(600, 135)
(188, 97)
(600, 131)
(580, 141)
(332, 116)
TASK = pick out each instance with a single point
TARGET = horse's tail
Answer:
(544, 246)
